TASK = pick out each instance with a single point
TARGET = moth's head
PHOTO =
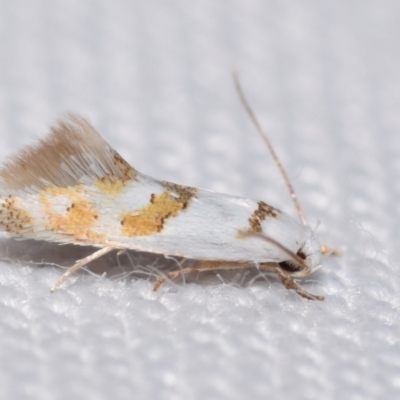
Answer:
(310, 254)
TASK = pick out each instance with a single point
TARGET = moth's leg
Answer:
(80, 264)
(326, 251)
(201, 266)
(289, 283)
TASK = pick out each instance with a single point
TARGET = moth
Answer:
(73, 187)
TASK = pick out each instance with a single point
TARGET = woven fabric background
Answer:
(154, 77)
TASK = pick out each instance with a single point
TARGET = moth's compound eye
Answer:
(290, 266)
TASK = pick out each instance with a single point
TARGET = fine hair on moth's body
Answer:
(83, 192)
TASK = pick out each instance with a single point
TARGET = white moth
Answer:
(73, 187)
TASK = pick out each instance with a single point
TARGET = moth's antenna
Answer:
(282, 170)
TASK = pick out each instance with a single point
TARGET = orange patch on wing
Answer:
(13, 218)
(77, 220)
(151, 218)
(110, 185)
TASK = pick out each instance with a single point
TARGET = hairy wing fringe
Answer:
(72, 152)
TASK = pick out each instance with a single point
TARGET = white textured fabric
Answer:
(154, 77)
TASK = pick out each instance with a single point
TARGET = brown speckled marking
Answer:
(183, 193)
(128, 173)
(151, 218)
(114, 185)
(14, 219)
(263, 211)
(78, 220)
